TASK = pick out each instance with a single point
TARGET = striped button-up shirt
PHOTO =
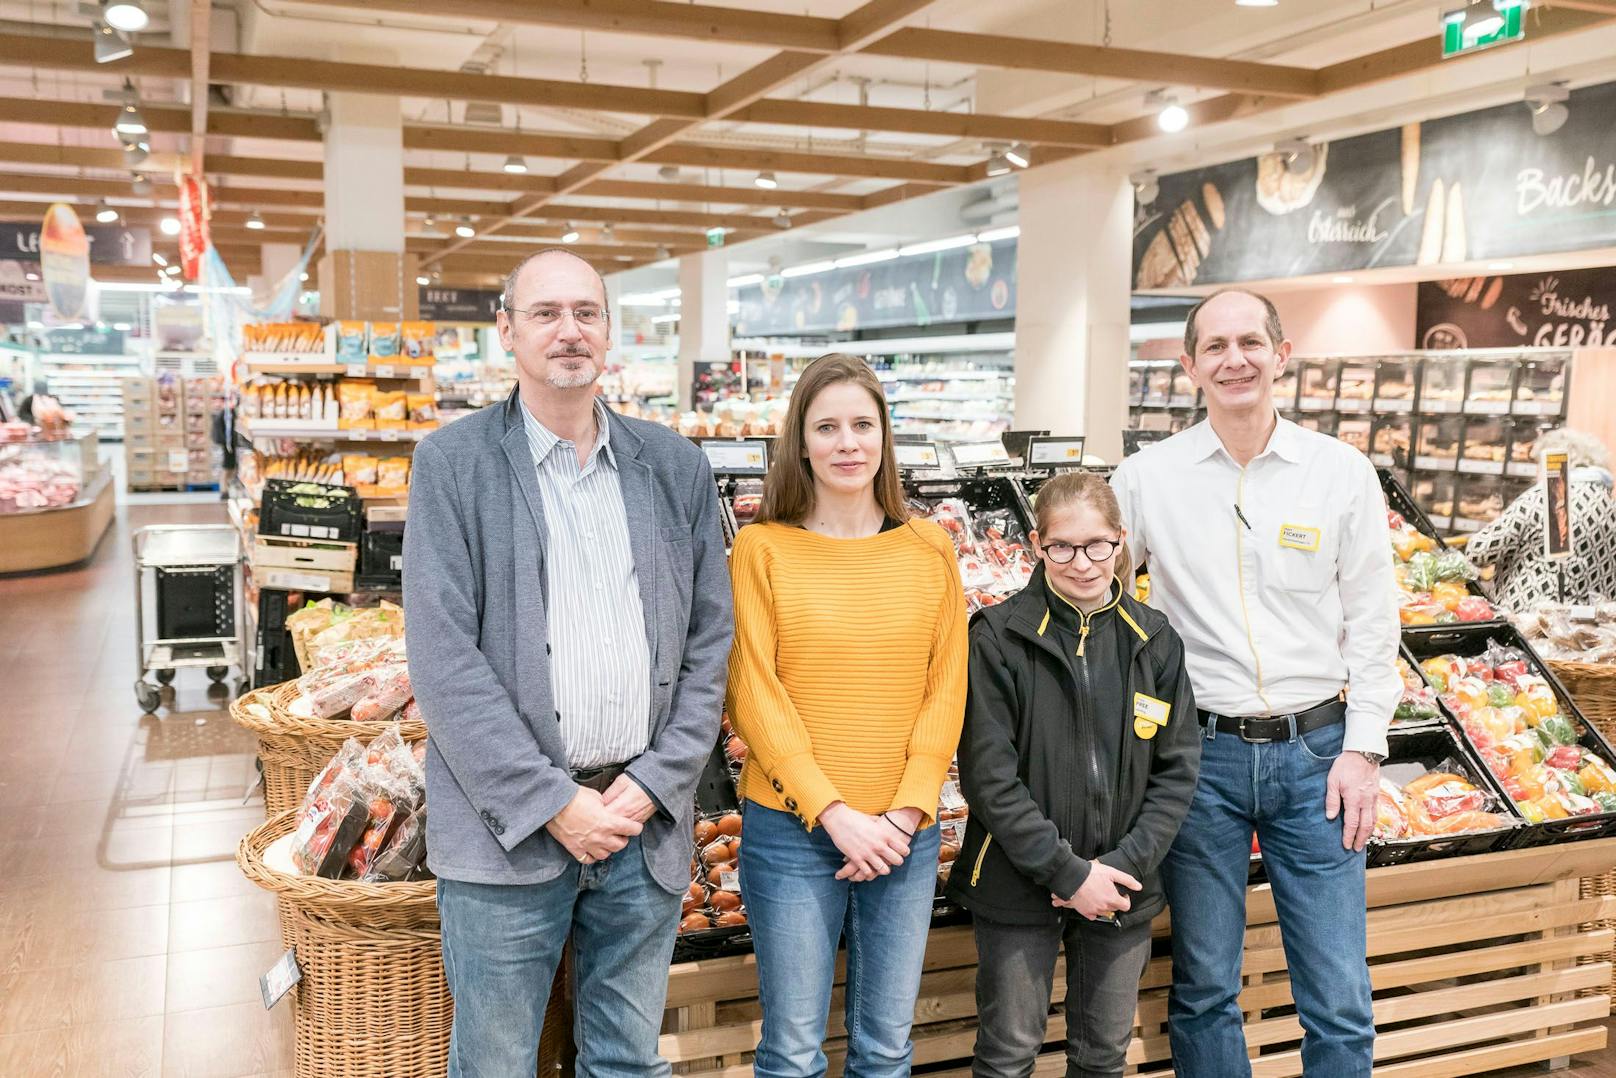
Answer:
(600, 663)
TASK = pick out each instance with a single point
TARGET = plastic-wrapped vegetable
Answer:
(1391, 818)
(1453, 565)
(1557, 730)
(1422, 574)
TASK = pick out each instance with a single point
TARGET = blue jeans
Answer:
(501, 945)
(799, 911)
(1278, 790)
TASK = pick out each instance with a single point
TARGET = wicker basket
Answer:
(373, 1001)
(1593, 690)
(293, 749)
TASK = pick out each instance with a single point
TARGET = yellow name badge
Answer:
(1149, 715)
(1297, 537)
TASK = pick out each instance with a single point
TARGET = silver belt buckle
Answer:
(1248, 739)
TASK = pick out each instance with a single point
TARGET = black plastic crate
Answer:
(275, 660)
(1401, 502)
(982, 494)
(295, 510)
(1429, 746)
(196, 602)
(381, 559)
(1470, 640)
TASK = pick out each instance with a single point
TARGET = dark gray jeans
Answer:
(1015, 976)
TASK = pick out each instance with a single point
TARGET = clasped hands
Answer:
(1104, 892)
(594, 826)
(873, 845)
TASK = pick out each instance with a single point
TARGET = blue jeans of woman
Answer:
(799, 913)
(1277, 789)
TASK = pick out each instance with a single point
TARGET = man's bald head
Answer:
(507, 297)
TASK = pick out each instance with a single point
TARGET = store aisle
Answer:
(129, 942)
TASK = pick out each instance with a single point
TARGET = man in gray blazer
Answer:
(569, 621)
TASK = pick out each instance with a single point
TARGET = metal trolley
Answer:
(196, 579)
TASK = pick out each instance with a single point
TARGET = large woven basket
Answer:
(1593, 690)
(293, 749)
(373, 1001)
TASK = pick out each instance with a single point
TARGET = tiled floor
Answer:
(129, 942)
(130, 945)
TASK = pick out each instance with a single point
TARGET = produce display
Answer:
(714, 897)
(1440, 801)
(31, 481)
(1584, 634)
(1418, 704)
(1516, 722)
(364, 816)
(1433, 582)
(995, 557)
(326, 624)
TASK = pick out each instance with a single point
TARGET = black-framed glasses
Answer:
(549, 314)
(1097, 551)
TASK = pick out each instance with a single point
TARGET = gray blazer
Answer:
(474, 601)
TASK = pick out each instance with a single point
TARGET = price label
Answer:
(1055, 452)
(280, 979)
(917, 455)
(385, 372)
(951, 798)
(980, 455)
(729, 880)
(292, 580)
(178, 460)
(737, 457)
(390, 435)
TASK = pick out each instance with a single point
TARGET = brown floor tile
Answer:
(99, 847)
(228, 1042)
(131, 1049)
(219, 976)
(83, 995)
(214, 879)
(44, 936)
(103, 891)
(216, 839)
(222, 922)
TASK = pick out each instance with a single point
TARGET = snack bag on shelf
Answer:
(391, 409)
(393, 474)
(385, 621)
(304, 623)
(354, 405)
(417, 340)
(359, 469)
(423, 409)
(384, 342)
(353, 343)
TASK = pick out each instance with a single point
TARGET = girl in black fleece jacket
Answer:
(1079, 759)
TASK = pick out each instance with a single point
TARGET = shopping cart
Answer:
(195, 579)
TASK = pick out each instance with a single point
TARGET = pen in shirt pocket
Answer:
(1242, 516)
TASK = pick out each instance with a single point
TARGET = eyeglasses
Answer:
(547, 315)
(1096, 552)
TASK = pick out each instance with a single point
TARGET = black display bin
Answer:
(1401, 502)
(381, 559)
(1469, 640)
(275, 659)
(982, 494)
(1429, 746)
(296, 510)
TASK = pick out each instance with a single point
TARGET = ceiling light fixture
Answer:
(131, 122)
(105, 214)
(766, 180)
(126, 15)
(255, 221)
(781, 220)
(998, 164)
(169, 226)
(139, 184)
(1145, 186)
(1019, 154)
(1171, 117)
(304, 276)
(135, 153)
(994, 235)
(745, 280)
(570, 235)
(110, 45)
(808, 268)
(668, 173)
(661, 252)
(423, 280)
(606, 233)
(430, 222)
(159, 259)
(516, 165)
(1547, 103)
(464, 229)
(867, 258)
(1299, 155)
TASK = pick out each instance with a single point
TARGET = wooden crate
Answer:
(1473, 963)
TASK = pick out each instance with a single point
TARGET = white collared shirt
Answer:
(1280, 611)
(600, 661)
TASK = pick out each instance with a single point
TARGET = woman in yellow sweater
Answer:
(847, 682)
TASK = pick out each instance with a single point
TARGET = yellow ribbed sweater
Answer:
(847, 679)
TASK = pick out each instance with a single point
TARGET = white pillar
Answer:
(364, 173)
(703, 315)
(1073, 274)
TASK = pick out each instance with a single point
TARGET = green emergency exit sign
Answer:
(1481, 26)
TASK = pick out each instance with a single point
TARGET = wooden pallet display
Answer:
(1474, 963)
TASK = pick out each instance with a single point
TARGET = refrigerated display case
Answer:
(55, 502)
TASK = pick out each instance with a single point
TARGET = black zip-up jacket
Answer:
(1054, 762)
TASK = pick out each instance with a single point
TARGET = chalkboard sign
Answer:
(1524, 310)
(1475, 186)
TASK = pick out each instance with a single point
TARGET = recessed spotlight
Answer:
(170, 226)
(255, 221)
(1172, 118)
(515, 164)
(126, 15)
(159, 259)
(464, 229)
(766, 180)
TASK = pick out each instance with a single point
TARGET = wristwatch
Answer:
(1373, 757)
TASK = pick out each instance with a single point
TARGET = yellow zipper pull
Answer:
(1082, 636)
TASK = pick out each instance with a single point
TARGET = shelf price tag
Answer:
(280, 979)
(980, 455)
(917, 455)
(729, 456)
(1047, 452)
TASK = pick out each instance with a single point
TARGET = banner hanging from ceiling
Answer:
(64, 260)
(1481, 185)
(1571, 309)
(195, 210)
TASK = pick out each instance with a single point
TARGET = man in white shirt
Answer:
(1269, 552)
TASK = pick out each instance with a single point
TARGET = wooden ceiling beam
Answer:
(744, 196)
(811, 164)
(1132, 65)
(476, 181)
(201, 47)
(960, 125)
(500, 141)
(695, 22)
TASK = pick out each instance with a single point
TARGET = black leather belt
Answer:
(1260, 729)
(599, 779)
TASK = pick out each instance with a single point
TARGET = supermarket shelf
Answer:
(962, 342)
(53, 359)
(1008, 394)
(255, 429)
(400, 371)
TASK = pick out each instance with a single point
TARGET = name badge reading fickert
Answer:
(1297, 537)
